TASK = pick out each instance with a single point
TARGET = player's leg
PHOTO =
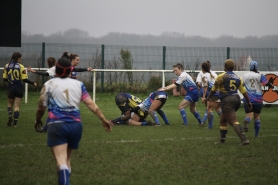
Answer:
(257, 121)
(183, 104)
(194, 112)
(16, 110)
(154, 106)
(135, 120)
(60, 153)
(10, 111)
(232, 104)
(248, 116)
(210, 108)
(163, 116)
(223, 129)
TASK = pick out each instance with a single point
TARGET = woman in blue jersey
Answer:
(207, 82)
(228, 84)
(192, 96)
(15, 75)
(253, 82)
(153, 104)
(126, 102)
(62, 95)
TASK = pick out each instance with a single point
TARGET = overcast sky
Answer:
(207, 18)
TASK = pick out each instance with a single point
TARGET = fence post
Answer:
(102, 67)
(228, 52)
(164, 58)
(43, 59)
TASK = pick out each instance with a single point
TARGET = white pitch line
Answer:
(134, 141)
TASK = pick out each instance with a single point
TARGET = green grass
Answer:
(167, 155)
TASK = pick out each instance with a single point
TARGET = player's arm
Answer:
(243, 91)
(169, 87)
(82, 69)
(40, 110)
(96, 110)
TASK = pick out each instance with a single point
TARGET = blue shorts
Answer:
(15, 91)
(192, 96)
(61, 133)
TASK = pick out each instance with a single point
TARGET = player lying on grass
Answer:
(153, 104)
(126, 102)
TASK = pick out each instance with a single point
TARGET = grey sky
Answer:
(207, 18)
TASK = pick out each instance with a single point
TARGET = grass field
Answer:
(169, 155)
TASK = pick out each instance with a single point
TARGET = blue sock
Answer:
(183, 115)
(257, 126)
(211, 116)
(144, 123)
(164, 117)
(156, 119)
(63, 175)
(10, 111)
(219, 112)
(205, 116)
(197, 116)
(16, 115)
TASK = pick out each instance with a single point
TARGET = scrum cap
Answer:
(253, 65)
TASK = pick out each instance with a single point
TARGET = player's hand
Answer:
(204, 100)
(249, 106)
(35, 84)
(107, 125)
(89, 69)
(38, 125)
(30, 69)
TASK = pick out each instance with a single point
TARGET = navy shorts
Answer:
(192, 96)
(61, 133)
(256, 108)
(15, 91)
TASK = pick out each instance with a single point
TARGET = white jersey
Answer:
(253, 83)
(199, 76)
(51, 71)
(208, 80)
(62, 97)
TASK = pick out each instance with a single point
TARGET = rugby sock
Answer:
(257, 126)
(205, 116)
(164, 117)
(144, 123)
(16, 115)
(183, 115)
(238, 129)
(154, 116)
(210, 119)
(223, 133)
(10, 111)
(197, 116)
(63, 175)
(219, 112)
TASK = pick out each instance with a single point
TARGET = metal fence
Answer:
(144, 57)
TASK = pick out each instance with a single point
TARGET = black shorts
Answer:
(15, 91)
(230, 104)
(163, 101)
(256, 108)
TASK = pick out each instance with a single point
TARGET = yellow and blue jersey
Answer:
(228, 83)
(126, 102)
(15, 73)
